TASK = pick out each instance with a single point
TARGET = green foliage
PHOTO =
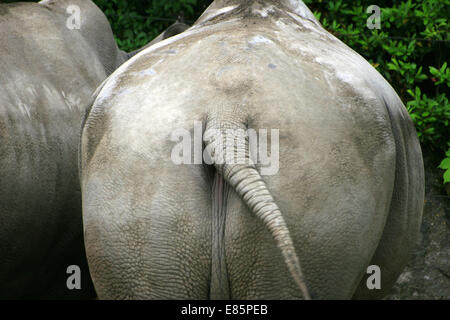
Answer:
(137, 22)
(431, 116)
(445, 165)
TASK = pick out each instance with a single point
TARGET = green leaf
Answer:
(447, 176)
(445, 164)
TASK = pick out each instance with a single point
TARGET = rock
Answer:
(427, 276)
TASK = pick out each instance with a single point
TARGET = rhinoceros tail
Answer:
(232, 161)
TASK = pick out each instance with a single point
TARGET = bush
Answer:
(137, 22)
(445, 165)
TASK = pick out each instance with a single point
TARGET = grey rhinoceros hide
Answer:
(48, 73)
(348, 193)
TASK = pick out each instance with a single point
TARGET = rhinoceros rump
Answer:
(348, 194)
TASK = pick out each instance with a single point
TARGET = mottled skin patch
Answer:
(350, 184)
(47, 75)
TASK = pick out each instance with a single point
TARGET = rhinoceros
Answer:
(49, 68)
(345, 198)
(48, 71)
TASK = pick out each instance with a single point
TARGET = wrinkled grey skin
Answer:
(349, 192)
(47, 75)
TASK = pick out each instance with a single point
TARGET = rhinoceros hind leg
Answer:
(405, 215)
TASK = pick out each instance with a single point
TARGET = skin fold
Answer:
(348, 193)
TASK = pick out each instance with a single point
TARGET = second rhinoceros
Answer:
(50, 65)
